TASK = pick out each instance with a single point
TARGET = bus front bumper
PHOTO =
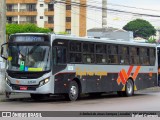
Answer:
(36, 89)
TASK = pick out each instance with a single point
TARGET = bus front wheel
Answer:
(73, 91)
(129, 89)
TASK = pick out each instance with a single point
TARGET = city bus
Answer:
(49, 64)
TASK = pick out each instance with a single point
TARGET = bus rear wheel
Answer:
(129, 89)
(73, 91)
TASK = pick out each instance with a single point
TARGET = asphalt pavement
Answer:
(27, 96)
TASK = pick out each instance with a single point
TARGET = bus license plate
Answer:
(23, 88)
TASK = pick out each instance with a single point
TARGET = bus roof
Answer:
(103, 40)
(30, 34)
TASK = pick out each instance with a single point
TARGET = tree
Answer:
(22, 28)
(140, 28)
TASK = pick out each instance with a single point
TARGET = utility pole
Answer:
(2, 21)
(104, 13)
(2, 38)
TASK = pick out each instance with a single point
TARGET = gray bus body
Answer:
(93, 71)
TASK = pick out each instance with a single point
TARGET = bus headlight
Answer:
(8, 81)
(43, 82)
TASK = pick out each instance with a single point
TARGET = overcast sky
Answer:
(120, 19)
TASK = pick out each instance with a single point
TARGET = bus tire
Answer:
(129, 88)
(73, 91)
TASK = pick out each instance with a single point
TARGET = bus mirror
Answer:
(2, 51)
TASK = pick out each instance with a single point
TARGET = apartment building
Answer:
(60, 15)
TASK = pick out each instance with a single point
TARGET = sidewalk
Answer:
(152, 89)
(14, 96)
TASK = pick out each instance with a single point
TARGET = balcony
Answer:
(68, 13)
(20, 1)
(68, 25)
(48, 13)
(24, 22)
(12, 13)
(24, 12)
(48, 24)
(47, 1)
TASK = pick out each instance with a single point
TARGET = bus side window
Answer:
(54, 56)
(61, 55)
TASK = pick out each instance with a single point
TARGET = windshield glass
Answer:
(29, 58)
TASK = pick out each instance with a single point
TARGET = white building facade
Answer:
(60, 16)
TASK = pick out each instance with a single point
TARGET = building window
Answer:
(50, 7)
(68, 7)
(41, 17)
(41, 5)
(31, 19)
(50, 19)
(68, 19)
(31, 7)
(9, 7)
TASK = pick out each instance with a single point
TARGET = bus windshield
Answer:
(29, 58)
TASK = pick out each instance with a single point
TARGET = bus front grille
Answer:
(29, 87)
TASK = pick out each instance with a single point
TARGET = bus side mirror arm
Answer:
(2, 50)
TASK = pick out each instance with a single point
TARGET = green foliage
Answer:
(140, 28)
(24, 28)
(152, 40)
(62, 33)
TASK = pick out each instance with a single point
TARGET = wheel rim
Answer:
(129, 87)
(73, 91)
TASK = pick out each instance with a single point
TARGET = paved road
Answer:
(141, 101)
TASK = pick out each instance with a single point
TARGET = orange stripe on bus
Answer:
(130, 70)
(122, 78)
(136, 72)
(119, 80)
(124, 74)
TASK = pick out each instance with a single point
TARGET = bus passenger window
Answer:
(75, 58)
(152, 56)
(61, 55)
(88, 58)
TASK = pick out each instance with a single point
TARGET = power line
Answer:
(113, 4)
(133, 7)
(100, 8)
